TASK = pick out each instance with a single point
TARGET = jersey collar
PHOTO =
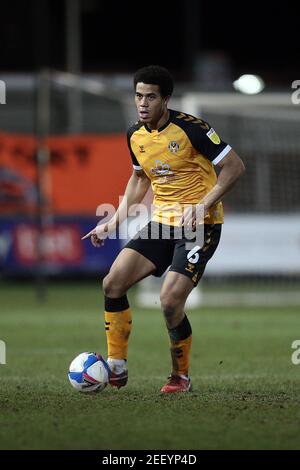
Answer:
(162, 127)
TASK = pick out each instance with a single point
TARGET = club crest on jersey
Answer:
(213, 136)
(161, 168)
(173, 146)
(142, 149)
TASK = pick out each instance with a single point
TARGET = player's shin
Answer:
(180, 346)
(118, 327)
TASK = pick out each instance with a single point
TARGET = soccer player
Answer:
(175, 153)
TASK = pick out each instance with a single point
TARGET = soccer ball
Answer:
(89, 372)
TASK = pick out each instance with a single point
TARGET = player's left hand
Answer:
(193, 215)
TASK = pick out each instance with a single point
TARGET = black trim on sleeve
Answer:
(197, 129)
(131, 131)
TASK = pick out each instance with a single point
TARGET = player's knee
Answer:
(106, 285)
(169, 304)
(112, 287)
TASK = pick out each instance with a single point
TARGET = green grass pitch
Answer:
(246, 389)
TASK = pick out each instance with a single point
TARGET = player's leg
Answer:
(174, 293)
(185, 272)
(129, 267)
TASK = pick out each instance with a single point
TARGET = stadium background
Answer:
(67, 67)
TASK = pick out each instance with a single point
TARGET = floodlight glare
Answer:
(249, 84)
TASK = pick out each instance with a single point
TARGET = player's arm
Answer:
(206, 141)
(136, 189)
(232, 168)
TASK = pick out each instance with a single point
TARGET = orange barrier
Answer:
(84, 171)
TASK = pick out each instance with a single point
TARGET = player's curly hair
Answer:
(155, 75)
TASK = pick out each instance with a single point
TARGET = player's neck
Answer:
(161, 122)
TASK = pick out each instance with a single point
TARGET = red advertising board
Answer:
(83, 172)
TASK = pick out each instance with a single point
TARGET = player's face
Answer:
(151, 107)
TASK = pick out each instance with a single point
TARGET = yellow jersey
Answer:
(179, 160)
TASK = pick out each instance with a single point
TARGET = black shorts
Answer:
(151, 241)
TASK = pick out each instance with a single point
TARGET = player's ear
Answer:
(166, 99)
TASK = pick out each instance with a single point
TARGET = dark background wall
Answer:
(258, 37)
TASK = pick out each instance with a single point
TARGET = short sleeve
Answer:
(135, 162)
(207, 142)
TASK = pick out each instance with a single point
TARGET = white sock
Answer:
(184, 377)
(116, 365)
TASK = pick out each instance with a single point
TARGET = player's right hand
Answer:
(97, 235)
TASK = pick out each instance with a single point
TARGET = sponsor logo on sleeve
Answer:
(213, 136)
